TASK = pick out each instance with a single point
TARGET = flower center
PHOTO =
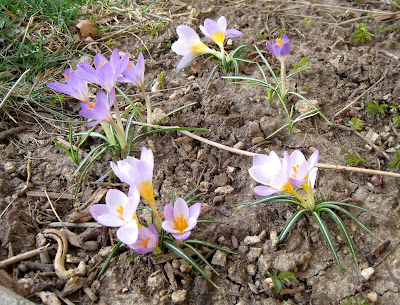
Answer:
(67, 77)
(101, 63)
(180, 224)
(279, 41)
(129, 65)
(295, 167)
(120, 209)
(146, 190)
(145, 242)
(219, 38)
(198, 47)
(91, 106)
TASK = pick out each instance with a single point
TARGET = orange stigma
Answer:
(91, 106)
(279, 41)
(145, 242)
(101, 63)
(67, 77)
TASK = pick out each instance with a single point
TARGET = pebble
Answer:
(179, 296)
(227, 189)
(367, 273)
(9, 167)
(234, 242)
(253, 254)
(264, 264)
(174, 96)
(372, 296)
(191, 77)
(372, 135)
(251, 240)
(219, 258)
(303, 107)
(253, 288)
(251, 269)
(185, 267)
(243, 249)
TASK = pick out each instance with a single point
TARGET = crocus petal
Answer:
(185, 61)
(260, 175)
(98, 209)
(130, 208)
(222, 23)
(181, 236)
(312, 161)
(194, 210)
(114, 200)
(263, 190)
(232, 33)
(128, 234)
(168, 226)
(169, 213)
(110, 220)
(99, 60)
(191, 224)
(181, 208)
(146, 155)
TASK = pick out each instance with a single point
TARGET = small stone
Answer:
(185, 267)
(372, 296)
(257, 140)
(273, 236)
(253, 254)
(179, 296)
(175, 264)
(251, 240)
(174, 96)
(219, 258)
(303, 107)
(251, 269)
(230, 169)
(234, 242)
(9, 167)
(253, 288)
(158, 113)
(243, 249)
(372, 135)
(227, 189)
(391, 150)
(157, 86)
(229, 42)
(367, 273)
(222, 240)
(191, 77)
(335, 62)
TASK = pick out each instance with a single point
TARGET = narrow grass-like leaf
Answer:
(203, 220)
(344, 211)
(349, 205)
(278, 130)
(132, 104)
(173, 111)
(211, 74)
(140, 208)
(345, 232)
(207, 244)
(128, 258)
(274, 198)
(311, 105)
(195, 251)
(177, 250)
(289, 224)
(107, 262)
(72, 155)
(88, 156)
(328, 238)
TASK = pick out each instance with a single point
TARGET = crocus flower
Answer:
(119, 211)
(147, 240)
(188, 45)
(137, 173)
(181, 219)
(301, 168)
(134, 73)
(280, 47)
(98, 111)
(105, 72)
(74, 86)
(217, 31)
(272, 172)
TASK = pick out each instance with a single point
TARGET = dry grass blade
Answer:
(13, 87)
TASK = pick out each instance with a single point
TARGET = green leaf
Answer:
(328, 238)
(286, 276)
(173, 111)
(277, 284)
(343, 228)
(289, 224)
(195, 251)
(274, 198)
(128, 258)
(177, 250)
(105, 265)
(207, 244)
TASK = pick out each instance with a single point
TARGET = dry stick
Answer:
(250, 154)
(26, 255)
(365, 139)
(54, 210)
(6, 133)
(13, 87)
(361, 95)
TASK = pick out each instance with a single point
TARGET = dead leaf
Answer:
(87, 28)
(9, 14)
(104, 20)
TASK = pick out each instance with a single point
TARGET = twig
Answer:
(75, 225)
(2, 213)
(6, 133)
(250, 154)
(363, 138)
(13, 87)
(361, 95)
(26, 255)
(387, 254)
(51, 195)
(54, 210)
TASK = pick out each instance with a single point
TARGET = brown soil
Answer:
(236, 115)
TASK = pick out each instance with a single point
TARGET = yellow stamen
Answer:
(129, 66)
(101, 63)
(199, 48)
(145, 242)
(180, 223)
(219, 38)
(295, 167)
(279, 41)
(91, 106)
(146, 191)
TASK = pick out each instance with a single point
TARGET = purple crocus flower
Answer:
(137, 173)
(119, 211)
(301, 168)
(134, 73)
(180, 219)
(217, 31)
(74, 86)
(105, 72)
(147, 240)
(280, 47)
(188, 45)
(98, 111)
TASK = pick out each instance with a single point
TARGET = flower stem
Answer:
(108, 133)
(157, 218)
(148, 106)
(283, 79)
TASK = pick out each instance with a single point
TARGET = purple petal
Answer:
(192, 222)
(185, 61)
(114, 199)
(99, 60)
(194, 210)
(168, 226)
(147, 156)
(128, 234)
(210, 27)
(232, 33)
(187, 33)
(262, 190)
(169, 213)
(222, 24)
(181, 236)
(130, 208)
(313, 159)
(181, 208)
(153, 230)
(98, 209)
(110, 220)
(259, 174)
